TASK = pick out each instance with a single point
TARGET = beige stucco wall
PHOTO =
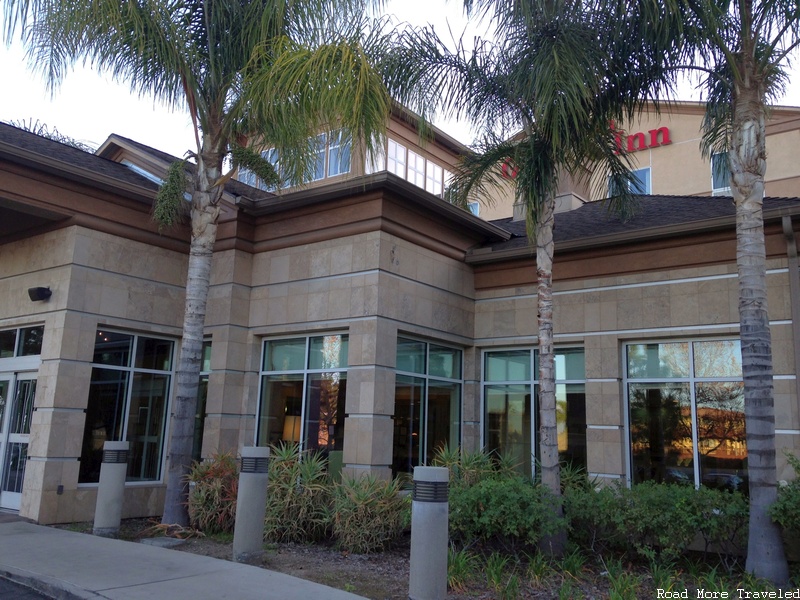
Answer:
(679, 168)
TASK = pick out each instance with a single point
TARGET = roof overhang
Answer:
(487, 255)
(368, 183)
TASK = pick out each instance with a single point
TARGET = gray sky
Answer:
(88, 107)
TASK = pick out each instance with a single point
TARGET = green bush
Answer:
(213, 486)
(368, 514)
(467, 468)
(506, 509)
(299, 496)
(655, 520)
(786, 510)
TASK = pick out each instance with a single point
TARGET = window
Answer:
(128, 398)
(338, 154)
(720, 175)
(474, 208)
(202, 396)
(686, 413)
(396, 159)
(411, 166)
(509, 416)
(433, 178)
(26, 341)
(416, 169)
(639, 185)
(303, 391)
(427, 402)
(330, 157)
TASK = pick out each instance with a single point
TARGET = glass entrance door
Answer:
(16, 411)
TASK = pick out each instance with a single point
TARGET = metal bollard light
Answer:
(429, 514)
(111, 489)
(251, 504)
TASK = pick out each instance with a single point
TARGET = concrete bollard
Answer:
(429, 513)
(251, 504)
(111, 489)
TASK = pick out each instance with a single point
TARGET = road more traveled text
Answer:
(739, 593)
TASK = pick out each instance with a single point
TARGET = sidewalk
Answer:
(72, 565)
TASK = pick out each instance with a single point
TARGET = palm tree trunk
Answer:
(205, 212)
(765, 554)
(548, 427)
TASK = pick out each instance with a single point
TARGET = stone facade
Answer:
(374, 258)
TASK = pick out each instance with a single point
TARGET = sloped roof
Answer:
(655, 216)
(232, 186)
(18, 145)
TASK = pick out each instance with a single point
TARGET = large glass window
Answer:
(510, 418)
(303, 390)
(128, 399)
(427, 402)
(686, 413)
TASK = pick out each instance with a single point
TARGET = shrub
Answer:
(786, 510)
(299, 497)
(592, 517)
(655, 519)
(507, 509)
(467, 468)
(214, 484)
(368, 514)
(722, 519)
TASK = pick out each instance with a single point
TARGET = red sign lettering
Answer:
(636, 142)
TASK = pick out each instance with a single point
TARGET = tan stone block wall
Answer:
(603, 314)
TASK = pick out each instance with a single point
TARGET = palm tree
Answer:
(252, 74)
(544, 94)
(742, 48)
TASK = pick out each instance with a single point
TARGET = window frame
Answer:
(428, 378)
(632, 187)
(717, 172)
(131, 369)
(691, 380)
(306, 372)
(533, 383)
(324, 147)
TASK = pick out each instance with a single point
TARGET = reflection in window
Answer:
(202, 397)
(427, 412)
(128, 399)
(720, 174)
(510, 418)
(303, 391)
(689, 427)
(26, 341)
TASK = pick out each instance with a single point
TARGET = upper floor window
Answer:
(331, 157)
(128, 399)
(411, 166)
(25, 341)
(720, 175)
(639, 185)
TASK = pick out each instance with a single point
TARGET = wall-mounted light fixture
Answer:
(39, 293)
